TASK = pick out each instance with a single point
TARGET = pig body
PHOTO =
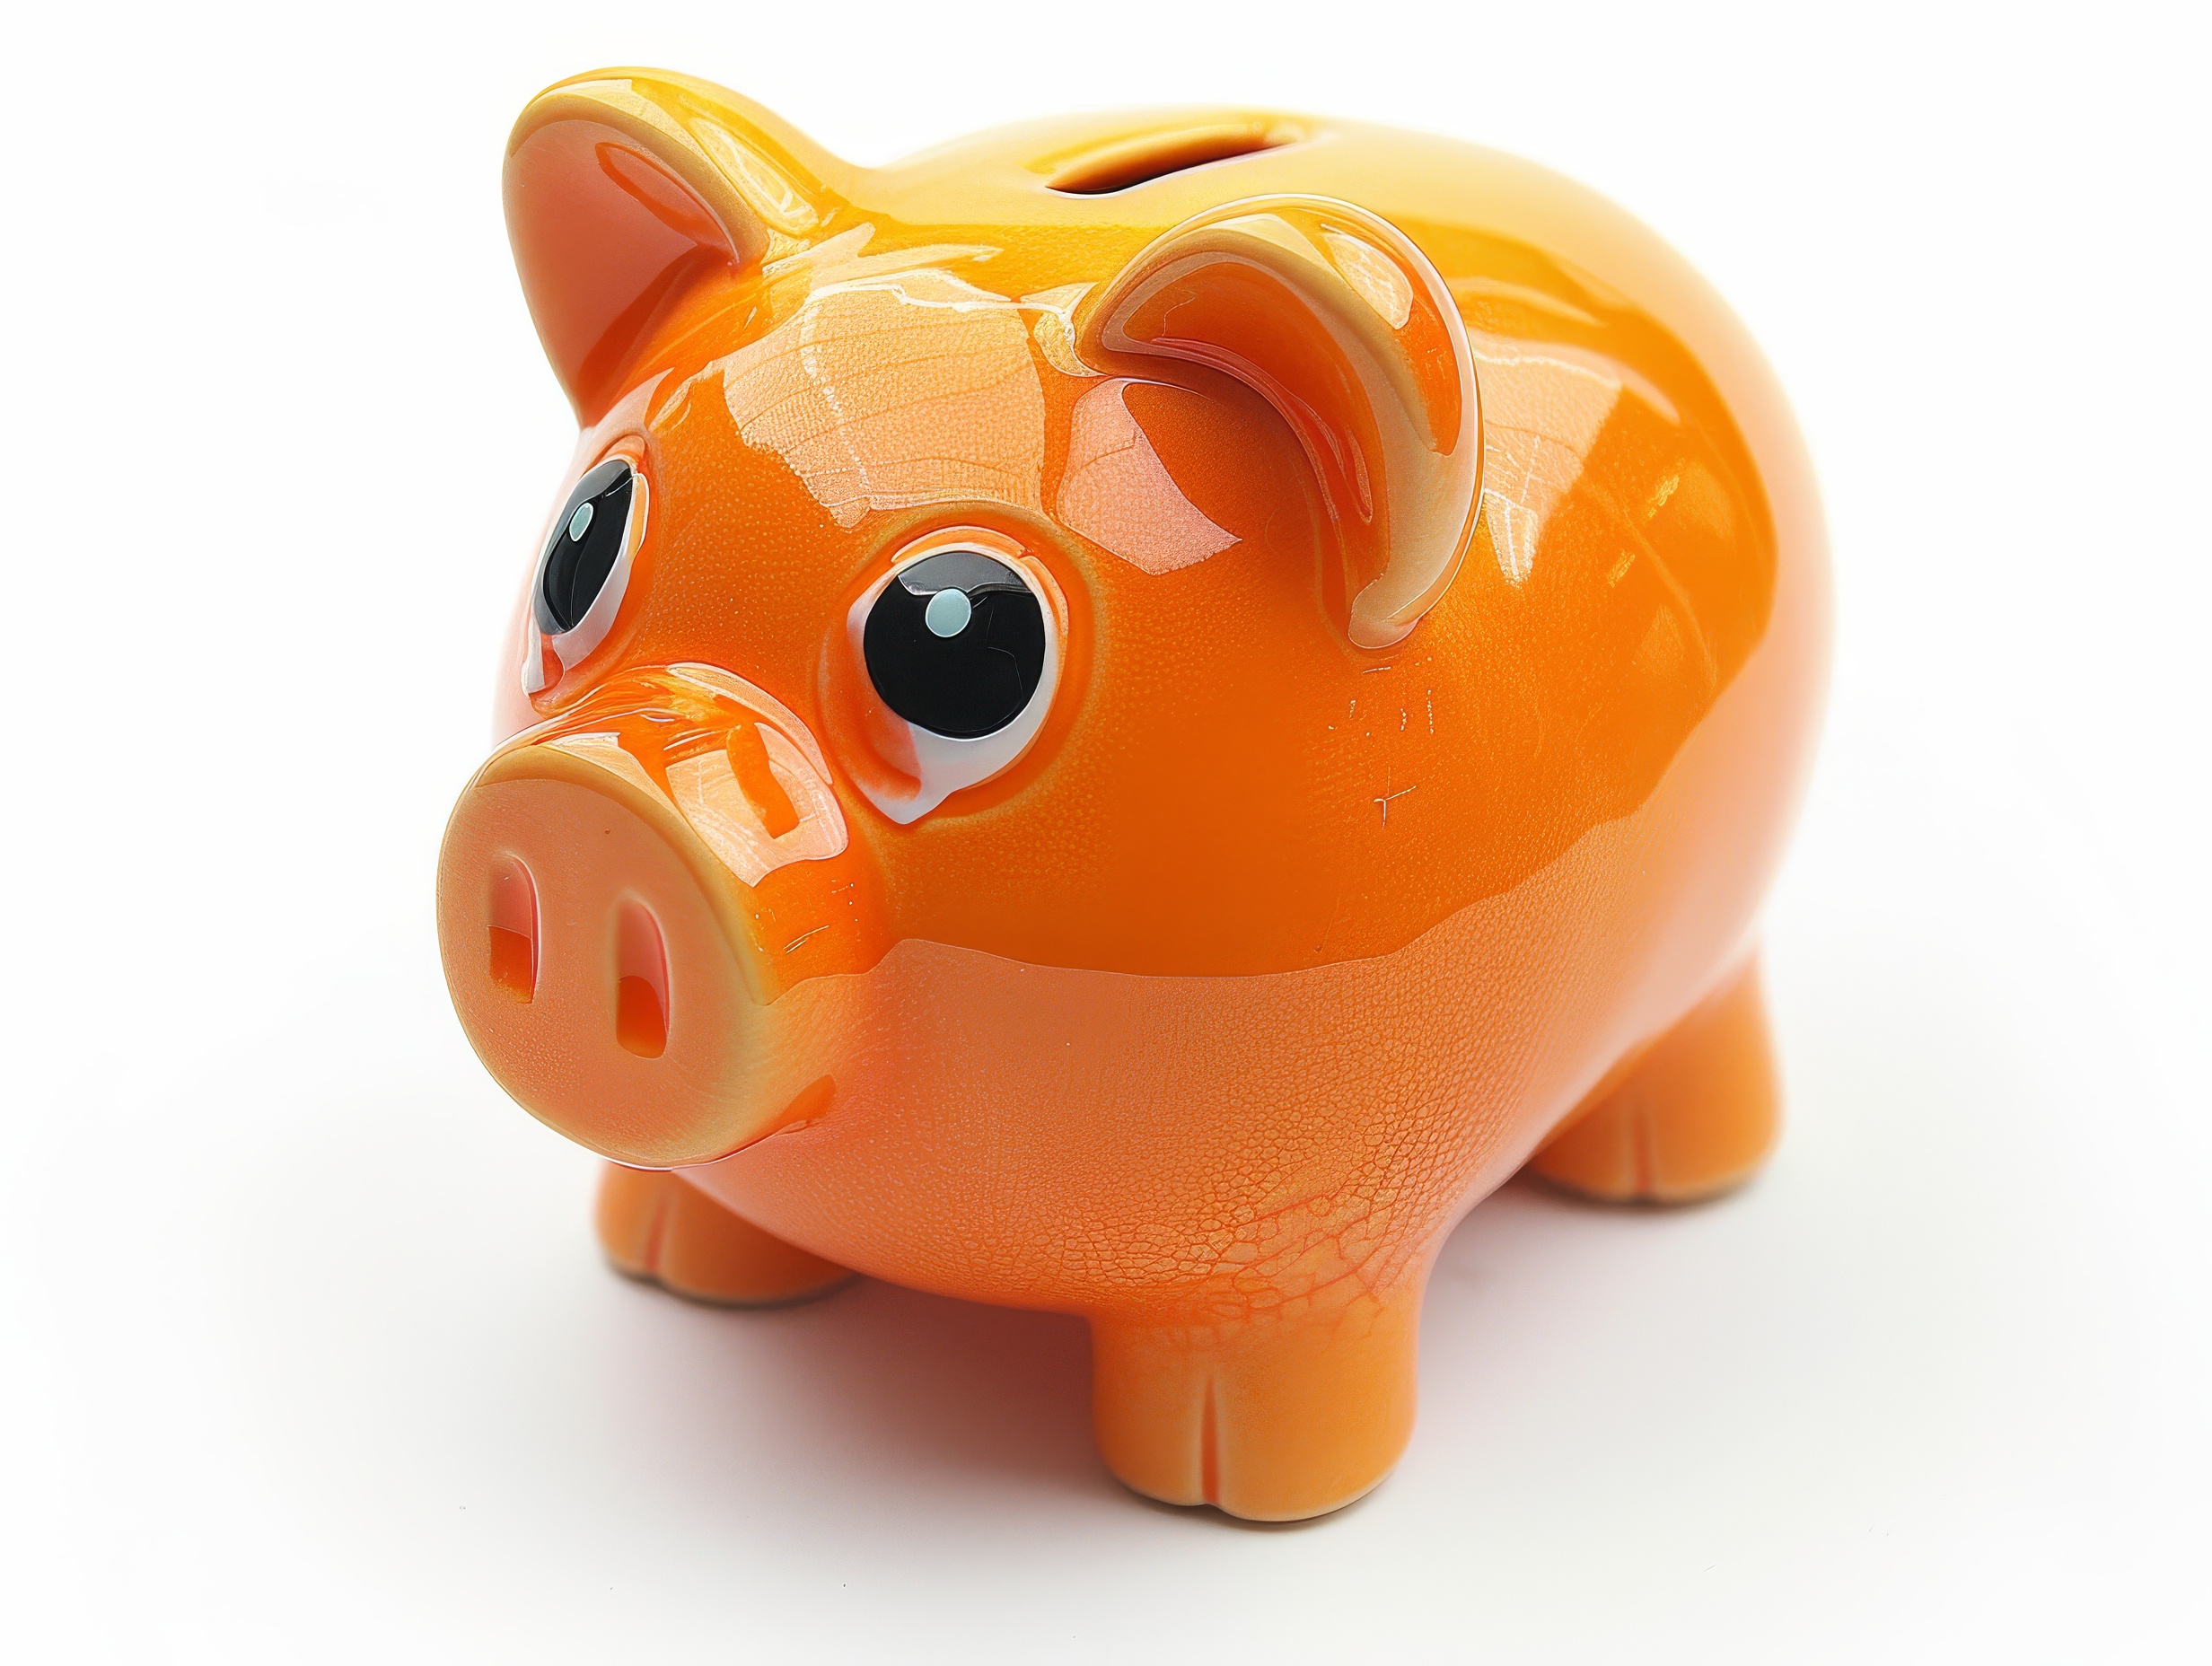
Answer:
(1400, 596)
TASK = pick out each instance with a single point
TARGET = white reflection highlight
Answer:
(893, 389)
(1541, 417)
(1119, 495)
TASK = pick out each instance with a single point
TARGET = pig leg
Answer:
(660, 1227)
(1696, 1114)
(1271, 1418)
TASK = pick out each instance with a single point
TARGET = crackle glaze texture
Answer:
(1438, 618)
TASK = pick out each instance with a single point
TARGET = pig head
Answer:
(996, 583)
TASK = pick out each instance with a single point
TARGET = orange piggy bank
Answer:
(1127, 716)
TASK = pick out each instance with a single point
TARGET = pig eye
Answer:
(955, 644)
(588, 543)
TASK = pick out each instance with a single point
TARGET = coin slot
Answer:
(1155, 155)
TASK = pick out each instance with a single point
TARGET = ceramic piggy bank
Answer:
(1127, 716)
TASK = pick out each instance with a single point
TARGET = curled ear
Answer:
(625, 188)
(1331, 314)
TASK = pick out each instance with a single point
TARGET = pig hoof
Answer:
(661, 1229)
(1694, 1117)
(1268, 1419)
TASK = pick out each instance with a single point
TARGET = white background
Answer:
(305, 1352)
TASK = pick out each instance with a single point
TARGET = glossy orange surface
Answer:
(1438, 612)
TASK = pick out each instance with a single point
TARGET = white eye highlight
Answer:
(948, 613)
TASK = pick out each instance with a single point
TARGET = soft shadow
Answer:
(903, 1390)
(1528, 1182)
(406, 1330)
(1210, 1515)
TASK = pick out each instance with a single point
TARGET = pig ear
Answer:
(626, 187)
(1331, 314)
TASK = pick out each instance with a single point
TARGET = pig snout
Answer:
(601, 895)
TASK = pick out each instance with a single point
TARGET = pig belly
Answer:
(1053, 1138)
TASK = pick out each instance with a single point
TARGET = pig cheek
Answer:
(872, 746)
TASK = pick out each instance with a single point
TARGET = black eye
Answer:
(955, 644)
(584, 546)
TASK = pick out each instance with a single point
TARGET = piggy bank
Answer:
(1126, 717)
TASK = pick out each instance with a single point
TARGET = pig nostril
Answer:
(641, 982)
(639, 1024)
(514, 929)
